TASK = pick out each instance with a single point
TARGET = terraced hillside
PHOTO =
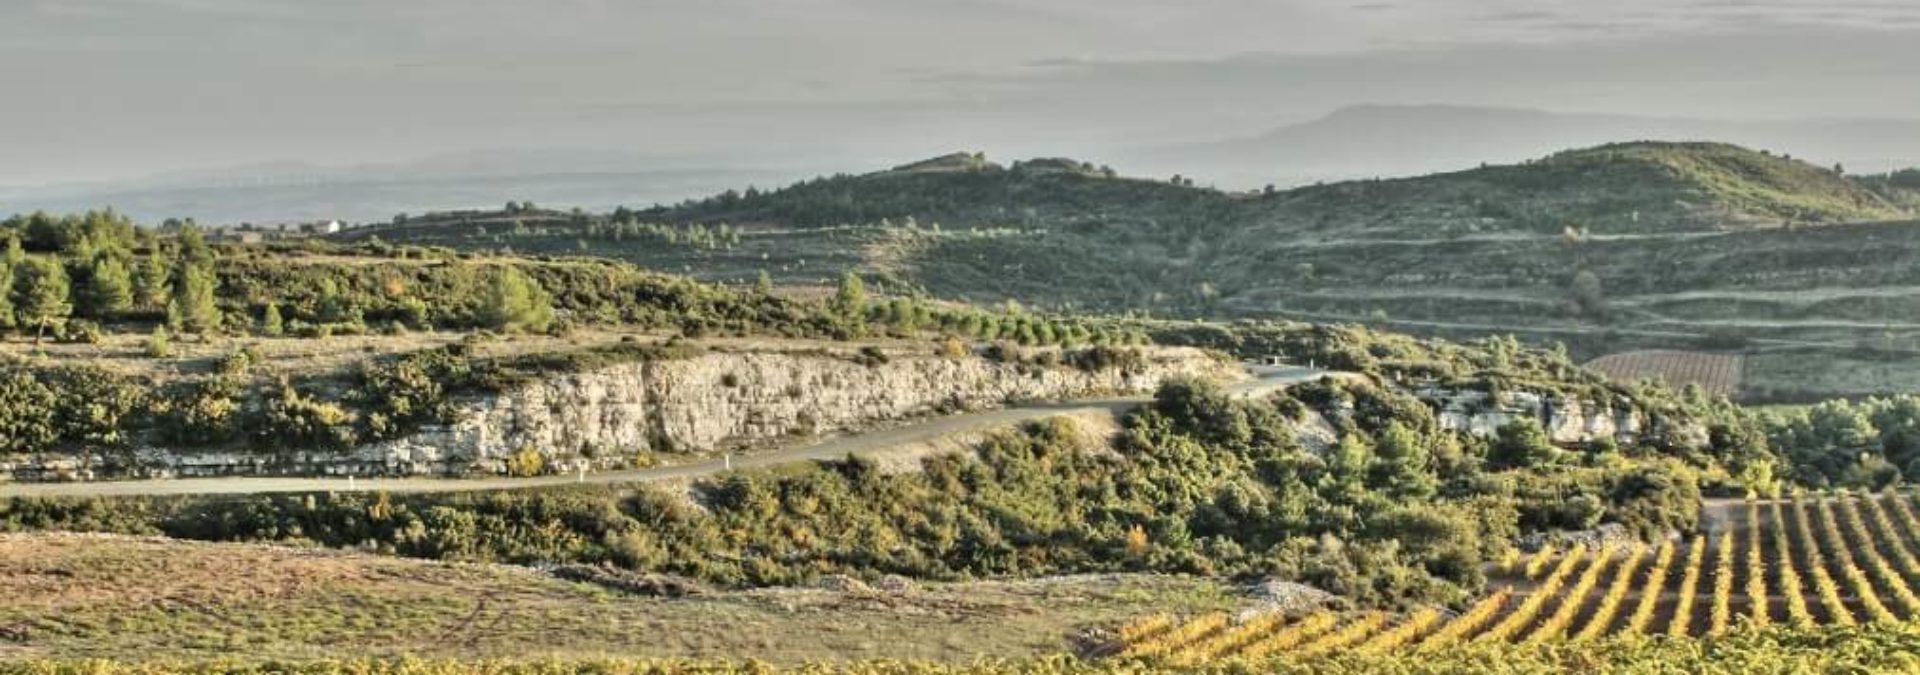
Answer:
(1805, 562)
(1626, 246)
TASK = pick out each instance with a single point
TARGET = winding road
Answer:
(1265, 379)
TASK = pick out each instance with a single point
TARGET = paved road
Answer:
(1266, 379)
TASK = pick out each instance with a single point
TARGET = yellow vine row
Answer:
(1642, 615)
(1294, 634)
(1758, 607)
(1538, 564)
(1843, 554)
(1347, 635)
(1181, 636)
(1885, 531)
(1231, 639)
(1817, 567)
(1721, 615)
(1557, 623)
(1791, 589)
(1403, 634)
(1145, 627)
(1623, 581)
(1522, 616)
(1469, 621)
(1682, 622)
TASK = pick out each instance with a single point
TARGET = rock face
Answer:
(1566, 420)
(608, 417)
(721, 401)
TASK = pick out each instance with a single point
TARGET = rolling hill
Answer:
(1626, 245)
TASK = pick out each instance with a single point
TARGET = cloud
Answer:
(1827, 72)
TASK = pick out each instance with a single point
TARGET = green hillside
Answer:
(1605, 248)
(1615, 189)
(1641, 187)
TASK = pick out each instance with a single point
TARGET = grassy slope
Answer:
(81, 596)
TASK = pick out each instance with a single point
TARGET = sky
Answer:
(111, 89)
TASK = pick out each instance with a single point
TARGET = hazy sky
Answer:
(112, 88)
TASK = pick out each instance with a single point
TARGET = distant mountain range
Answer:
(1369, 141)
(292, 191)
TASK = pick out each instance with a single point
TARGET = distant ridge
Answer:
(1365, 141)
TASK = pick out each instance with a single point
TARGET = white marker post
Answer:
(726, 461)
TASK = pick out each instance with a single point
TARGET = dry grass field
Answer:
(84, 596)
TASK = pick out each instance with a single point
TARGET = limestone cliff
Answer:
(1566, 420)
(725, 401)
(716, 401)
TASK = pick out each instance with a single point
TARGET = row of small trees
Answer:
(43, 291)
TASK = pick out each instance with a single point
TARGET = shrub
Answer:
(525, 462)
(159, 344)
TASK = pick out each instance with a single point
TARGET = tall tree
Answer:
(1403, 463)
(8, 264)
(850, 299)
(43, 295)
(193, 246)
(109, 288)
(151, 285)
(194, 308)
(849, 302)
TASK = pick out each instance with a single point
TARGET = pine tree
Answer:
(194, 308)
(150, 285)
(764, 285)
(110, 290)
(270, 323)
(1404, 463)
(43, 295)
(7, 268)
(850, 300)
(515, 301)
(193, 246)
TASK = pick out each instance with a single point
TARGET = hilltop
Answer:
(1394, 140)
(1626, 188)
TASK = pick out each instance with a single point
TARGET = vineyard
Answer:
(1716, 373)
(1804, 562)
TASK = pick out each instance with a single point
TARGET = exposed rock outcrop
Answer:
(716, 401)
(1566, 420)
